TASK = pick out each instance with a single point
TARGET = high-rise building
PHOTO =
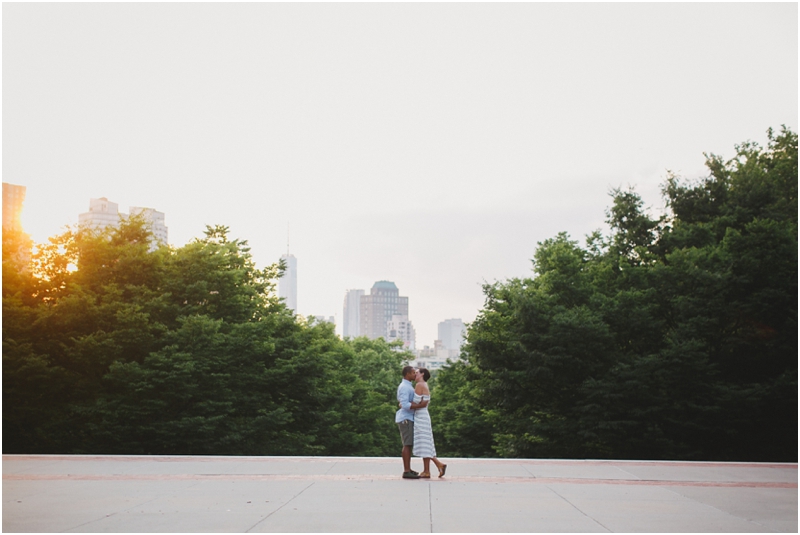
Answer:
(102, 213)
(400, 328)
(13, 199)
(377, 309)
(22, 246)
(155, 221)
(451, 333)
(287, 284)
(351, 318)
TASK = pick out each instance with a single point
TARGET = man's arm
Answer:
(408, 403)
(414, 406)
(403, 398)
(422, 404)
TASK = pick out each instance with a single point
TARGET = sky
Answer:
(429, 144)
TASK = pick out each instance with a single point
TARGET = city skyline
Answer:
(429, 144)
(381, 313)
(104, 213)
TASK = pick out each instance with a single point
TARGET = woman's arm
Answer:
(420, 390)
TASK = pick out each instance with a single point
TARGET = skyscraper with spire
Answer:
(287, 284)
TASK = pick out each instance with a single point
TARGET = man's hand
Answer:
(421, 405)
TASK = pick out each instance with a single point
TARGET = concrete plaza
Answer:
(106, 493)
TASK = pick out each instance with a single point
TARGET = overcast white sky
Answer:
(432, 145)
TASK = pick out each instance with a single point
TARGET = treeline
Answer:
(110, 347)
(672, 338)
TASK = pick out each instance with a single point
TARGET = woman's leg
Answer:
(426, 465)
(441, 466)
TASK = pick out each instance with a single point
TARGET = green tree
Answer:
(111, 346)
(674, 337)
(461, 425)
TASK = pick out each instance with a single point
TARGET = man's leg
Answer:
(407, 436)
(406, 458)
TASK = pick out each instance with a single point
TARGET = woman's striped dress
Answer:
(423, 432)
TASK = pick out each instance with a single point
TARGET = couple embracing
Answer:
(415, 423)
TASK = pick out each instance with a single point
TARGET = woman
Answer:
(423, 433)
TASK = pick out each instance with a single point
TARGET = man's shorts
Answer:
(407, 432)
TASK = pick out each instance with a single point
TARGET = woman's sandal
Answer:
(425, 475)
(442, 470)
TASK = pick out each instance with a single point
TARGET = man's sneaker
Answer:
(410, 475)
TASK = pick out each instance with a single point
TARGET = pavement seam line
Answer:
(430, 507)
(579, 510)
(154, 499)
(281, 507)
(629, 473)
(331, 468)
(526, 469)
(123, 510)
(695, 500)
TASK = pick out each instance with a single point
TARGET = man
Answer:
(405, 418)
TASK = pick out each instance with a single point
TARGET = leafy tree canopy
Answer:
(671, 338)
(110, 346)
